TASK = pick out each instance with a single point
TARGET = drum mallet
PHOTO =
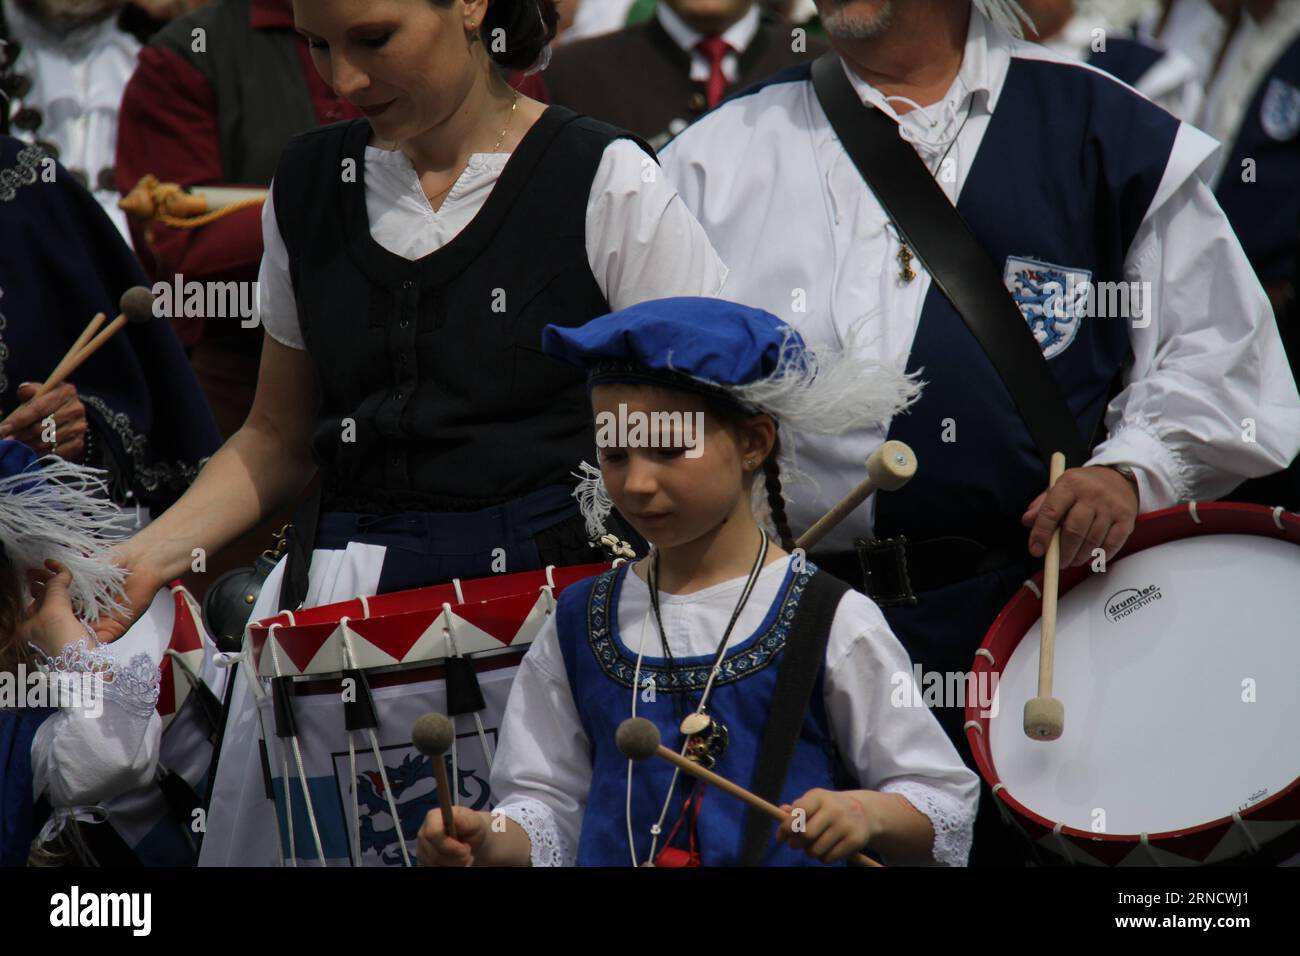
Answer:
(638, 739)
(432, 736)
(137, 307)
(1044, 714)
(888, 468)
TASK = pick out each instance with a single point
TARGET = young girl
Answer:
(57, 761)
(703, 626)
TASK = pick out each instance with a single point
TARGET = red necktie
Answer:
(715, 48)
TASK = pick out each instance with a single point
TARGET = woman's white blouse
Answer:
(642, 242)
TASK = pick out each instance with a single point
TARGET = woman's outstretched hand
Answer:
(143, 582)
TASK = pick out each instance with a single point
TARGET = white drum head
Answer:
(1179, 670)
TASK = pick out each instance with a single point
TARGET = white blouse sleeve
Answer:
(84, 755)
(642, 241)
(893, 748)
(277, 307)
(542, 770)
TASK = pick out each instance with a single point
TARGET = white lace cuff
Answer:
(952, 819)
(549, 845)
(133, 686)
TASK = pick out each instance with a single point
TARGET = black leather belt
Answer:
(894, 571)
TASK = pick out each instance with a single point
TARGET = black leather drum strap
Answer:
(801, 662)
(959, 265)
(297, 565)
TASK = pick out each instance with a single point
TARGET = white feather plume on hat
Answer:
(60, 512)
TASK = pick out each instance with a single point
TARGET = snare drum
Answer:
(1179, 671)
(357, 795)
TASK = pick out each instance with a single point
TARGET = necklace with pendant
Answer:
(706, 737)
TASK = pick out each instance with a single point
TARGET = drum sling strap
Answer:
(892, 571)
(801, 663)
(958, 264)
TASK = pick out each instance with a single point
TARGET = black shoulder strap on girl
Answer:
(805, 649)
(959, 265)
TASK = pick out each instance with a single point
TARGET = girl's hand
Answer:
(48, 622)
(434, 847)
(830, 825)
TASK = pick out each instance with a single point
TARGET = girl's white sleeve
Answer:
(542, 770)
(886, 736)
(83, 755)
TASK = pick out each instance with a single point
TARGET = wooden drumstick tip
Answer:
(1044, 718)
(891, 466)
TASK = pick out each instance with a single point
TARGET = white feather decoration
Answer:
(825, 392)
(60, 511)
(593, 499)
(1007, 14)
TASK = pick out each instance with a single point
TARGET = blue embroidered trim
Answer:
(750, 659)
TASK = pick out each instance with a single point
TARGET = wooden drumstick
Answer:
(137, 306)
(1044, 714)
(638, 739)
(58, 374)
(432, 736)
(888, 468)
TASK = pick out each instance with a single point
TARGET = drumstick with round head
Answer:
(889, 467)
(137, 307)
(1044, 714)
(432, 736)
(638, 739)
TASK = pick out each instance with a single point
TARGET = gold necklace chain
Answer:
(514, 107)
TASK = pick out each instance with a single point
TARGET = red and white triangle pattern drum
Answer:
(407, 627)
(1179, 670)
(187, 644)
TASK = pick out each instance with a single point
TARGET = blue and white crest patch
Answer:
(1052, 298)
(1279, 114)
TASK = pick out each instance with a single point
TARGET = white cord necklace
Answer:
(657, 829)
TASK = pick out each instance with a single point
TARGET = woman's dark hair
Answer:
(526, 25)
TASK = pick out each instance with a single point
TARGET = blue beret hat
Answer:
(714, 341)
(15, 457)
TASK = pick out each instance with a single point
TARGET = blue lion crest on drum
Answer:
(1052, 298)
(415, 793)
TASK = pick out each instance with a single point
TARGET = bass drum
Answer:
(1179, 670)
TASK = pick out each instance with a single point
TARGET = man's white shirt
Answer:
(803, 237)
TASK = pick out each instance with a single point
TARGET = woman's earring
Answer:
(749, 464)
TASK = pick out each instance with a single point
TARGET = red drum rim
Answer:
(1024, 609)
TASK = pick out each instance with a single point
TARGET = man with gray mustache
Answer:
(1068, 180)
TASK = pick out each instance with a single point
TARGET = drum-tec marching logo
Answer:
(1130, 600)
